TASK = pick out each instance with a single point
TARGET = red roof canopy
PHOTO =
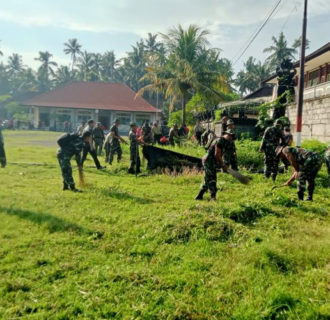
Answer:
(92, 95)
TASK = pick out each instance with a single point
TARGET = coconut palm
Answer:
(64, 75)
(15, 63)
(85, 65)
(47, 64)
(184, 72)
(73, 48)
(279, 51)
(109, 66)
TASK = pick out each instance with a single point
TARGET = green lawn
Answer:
(142, 248)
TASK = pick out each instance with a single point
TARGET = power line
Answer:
(259, 30)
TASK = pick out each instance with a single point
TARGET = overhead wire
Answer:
(258, 31)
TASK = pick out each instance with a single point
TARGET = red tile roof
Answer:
(92, 95)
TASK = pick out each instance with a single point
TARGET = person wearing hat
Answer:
(306, 164)
(70, 145)
(113, 139)
(89, 146)
(98, 137)
(272, 138)
(215, 157)
(134, 151)
(327, 162)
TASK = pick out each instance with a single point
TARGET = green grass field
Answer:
(142, 248)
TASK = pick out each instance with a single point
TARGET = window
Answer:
(123, 117)
(141, 118)
(313, 78)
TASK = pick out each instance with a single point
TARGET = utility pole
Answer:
(301, 77)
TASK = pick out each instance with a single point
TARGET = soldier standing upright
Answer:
(273, 137)
(70, 145)
(306, 164)
(3, 160)
(113, 138)
(134, 151)
(98, 137)
(198, 131)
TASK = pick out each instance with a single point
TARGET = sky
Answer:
(29, 26)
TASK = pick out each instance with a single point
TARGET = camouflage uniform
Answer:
(134, 153)
(114, 145)
(309, 165)
(147, 133)
(3, 160)
(327, 162)
(98, 137)
(210, 167)
(70, 144)
(273, 137)
(229, 155)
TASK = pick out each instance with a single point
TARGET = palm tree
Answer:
(15, 63)
(279, 51)
(64, 75)
(73, 48)
(251, 78)
(151, 43)
(85, 65)
(46, 64)
(109, 66)
(184, 72)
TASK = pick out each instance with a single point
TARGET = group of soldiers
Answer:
(276, 145)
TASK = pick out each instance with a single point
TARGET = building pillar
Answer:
(36, 117)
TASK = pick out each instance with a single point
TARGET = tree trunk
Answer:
(184, 109)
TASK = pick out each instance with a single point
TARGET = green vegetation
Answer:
(141, 248)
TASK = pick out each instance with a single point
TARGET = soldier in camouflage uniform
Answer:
(3, 160)
(327, 162)
(134, 151)
(273, 137)
(113, 138)
(306, 164)
(211, 161)
(98, 137)
(147, 133)
(229, 154)
(70, 144)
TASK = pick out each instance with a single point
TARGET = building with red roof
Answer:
(80, 101)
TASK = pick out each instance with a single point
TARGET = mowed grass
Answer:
(142, 248)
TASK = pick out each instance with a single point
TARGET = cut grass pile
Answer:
(142, 248)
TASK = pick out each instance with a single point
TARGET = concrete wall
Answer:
(316, 118)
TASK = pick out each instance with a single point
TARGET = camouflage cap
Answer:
(116, 121)
(132, 124)
(230, 122)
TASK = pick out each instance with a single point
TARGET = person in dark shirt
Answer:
(98, 137)
(89, 146)
(70, 145)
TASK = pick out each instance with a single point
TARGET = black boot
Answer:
(65, 186)
(200, 195)
(213, 197)
(310, 193)
(73, 188)
(300, 195)
(274, 175)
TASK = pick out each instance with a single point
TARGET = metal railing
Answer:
(320, 90)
